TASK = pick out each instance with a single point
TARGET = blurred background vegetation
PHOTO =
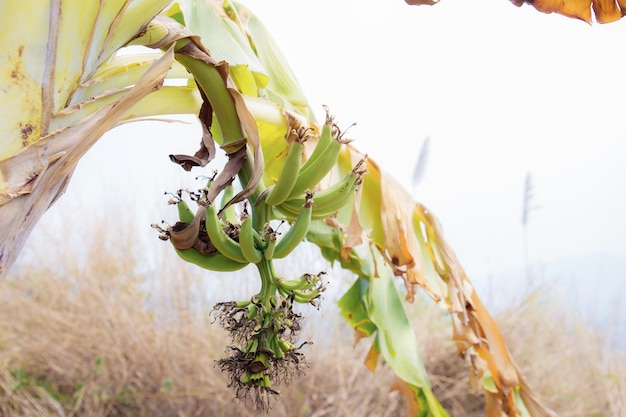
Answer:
(97, 321)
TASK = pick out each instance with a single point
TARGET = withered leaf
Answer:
(421, 2)
(412, 242)
(605, 11)
(206, 153)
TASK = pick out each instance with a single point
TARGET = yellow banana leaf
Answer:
(50, 51)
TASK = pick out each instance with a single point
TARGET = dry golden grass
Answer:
(107, 337)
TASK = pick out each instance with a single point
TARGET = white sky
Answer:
(500, 90)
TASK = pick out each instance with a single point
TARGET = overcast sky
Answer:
(501, 91)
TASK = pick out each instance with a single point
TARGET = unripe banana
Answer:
(245, 378)
(252, 346)
(306, 298)
(271, 238)
(283, 292)
(285, 346)
(294, 284)
(229, 213)
(253, 311)
(247, 241)
(185, 214)
(326, 202)
(288, 176)
(216, 262)
(325, 139)
(304, 283)
(273, 343)
(266, 381)
(319, 164)
(222, 242)
(296, 233)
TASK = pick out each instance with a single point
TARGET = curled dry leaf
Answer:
(410, 240)
(605, 11)
(190, 235)
(206, 153)
(421, 2)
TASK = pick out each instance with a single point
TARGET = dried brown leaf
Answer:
(405, 390)
(605, 11)
(421, 2)
(371, 359)
(206, 153)
(413, 244)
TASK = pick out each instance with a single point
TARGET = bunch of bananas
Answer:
(296, 180)
(264, 328)
(240, 239)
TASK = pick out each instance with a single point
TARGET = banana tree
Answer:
(65, 85)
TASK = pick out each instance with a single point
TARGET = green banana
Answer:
(304, 283)
(326, 202)
(266, 381)
(296, 233)
(270, 237)
(216, 262)
(275, 347)
(185, 214)
(245, 378)
(252, 346)
(229, 213)
(222, 242)
(242, 304)
(285, 346)
(253, 310)
(294, 284)
(305, 299)
(247, 241)
(319, 163)
(288, 176)
(325, 139)
(310, 295)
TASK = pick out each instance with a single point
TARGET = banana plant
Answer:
(66, 86)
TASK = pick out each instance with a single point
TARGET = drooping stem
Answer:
(212, 84)
(260, 213)
(268, 279)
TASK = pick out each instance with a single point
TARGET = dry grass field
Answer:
(89, 330)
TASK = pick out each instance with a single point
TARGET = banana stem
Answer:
(260, 215)
(268, 279)
(207, 76)
(213, 86)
